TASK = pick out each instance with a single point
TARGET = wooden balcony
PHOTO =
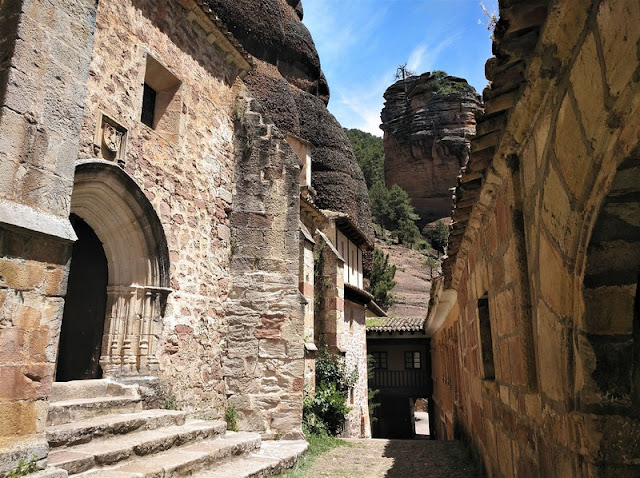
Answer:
(400, 382)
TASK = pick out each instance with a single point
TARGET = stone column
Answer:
(47, 50)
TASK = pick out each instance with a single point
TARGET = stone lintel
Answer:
(25, 217)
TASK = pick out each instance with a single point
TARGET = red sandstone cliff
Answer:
(427, 122)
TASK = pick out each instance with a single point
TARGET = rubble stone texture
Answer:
(544, 244)
(188, 182)
(427, 130)
(264, 362)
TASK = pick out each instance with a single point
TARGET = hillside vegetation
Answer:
(395, 221)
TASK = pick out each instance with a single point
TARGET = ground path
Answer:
(395, 459)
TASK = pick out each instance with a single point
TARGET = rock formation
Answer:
(293, 91)
(427, 122)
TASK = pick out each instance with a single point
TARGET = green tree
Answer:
(401, 216)
(438, 236)
(382, 282)
(369, 153)
(379, 199)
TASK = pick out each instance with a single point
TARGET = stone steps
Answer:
(83, 431)
(81, 409)
(183, 461)
(272, 458)
(114, 449)
(84, 399)
(79, 389)
(98, 429)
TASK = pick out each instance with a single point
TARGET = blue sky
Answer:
(362, 42)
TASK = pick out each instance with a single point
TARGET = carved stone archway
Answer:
(124, 220)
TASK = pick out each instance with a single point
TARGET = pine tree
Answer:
(382, 279)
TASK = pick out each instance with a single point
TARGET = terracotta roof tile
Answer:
(395, 324)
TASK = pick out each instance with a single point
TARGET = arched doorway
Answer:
(84, 308)
(112, 212)
(609, 342)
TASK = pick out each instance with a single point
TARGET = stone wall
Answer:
(329, 292)
(352, 335)
(45, 50)
(543, 256)
(264, 361)
(187, 177)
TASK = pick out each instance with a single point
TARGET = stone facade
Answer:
(186, 176)
(136, 164)
(264, 362)
(45, 52)
(534, 332)
(159, 196)
(340, 316)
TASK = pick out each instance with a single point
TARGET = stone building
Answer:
(402, 370)
(534, 328)
(150, 216)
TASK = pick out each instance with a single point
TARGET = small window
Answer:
(148, 105)
(486, 343)
(379, 360)
(161, 100)
(412, 360)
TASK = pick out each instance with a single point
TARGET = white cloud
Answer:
(416, 58)
(424, 56)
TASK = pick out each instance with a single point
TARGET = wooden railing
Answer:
(399, 380)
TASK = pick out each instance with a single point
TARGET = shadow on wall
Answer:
(435, 459)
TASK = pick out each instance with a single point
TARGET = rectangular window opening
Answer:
(412, 360)
(161, 100)
(148, 105)
(486, 342)
(379, 360)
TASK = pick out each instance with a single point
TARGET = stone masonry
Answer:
(189, 283)
(264, 361)
(45, 51)
(535, 329)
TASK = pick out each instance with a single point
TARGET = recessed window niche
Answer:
(161, 100)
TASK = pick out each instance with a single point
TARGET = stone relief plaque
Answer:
(110, 140)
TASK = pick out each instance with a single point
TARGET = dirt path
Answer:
(395, 459)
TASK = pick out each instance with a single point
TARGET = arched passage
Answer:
(609, 339)
(112, 205)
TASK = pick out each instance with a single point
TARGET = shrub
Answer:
(438, 235)
(325, 411)
(24, 468)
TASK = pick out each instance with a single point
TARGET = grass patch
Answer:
(231, 417)
(374, 321)
(318, 446)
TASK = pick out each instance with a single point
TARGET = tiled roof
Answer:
(395, 324)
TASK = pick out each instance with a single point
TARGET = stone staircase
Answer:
(99, 429)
